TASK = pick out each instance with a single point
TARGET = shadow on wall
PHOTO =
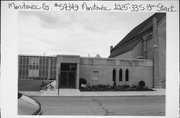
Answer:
(30, 85)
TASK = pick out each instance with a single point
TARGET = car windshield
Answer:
(19, 95)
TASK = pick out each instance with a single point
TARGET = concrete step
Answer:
(62, 92)
(69, 92)
(50, 93)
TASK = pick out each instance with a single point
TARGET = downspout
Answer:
(155, 52)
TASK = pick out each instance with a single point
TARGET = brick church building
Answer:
(146, 41)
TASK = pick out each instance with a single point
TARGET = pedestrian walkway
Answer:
(76, 92)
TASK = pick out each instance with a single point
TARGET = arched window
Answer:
(120, 74)
(114, 74)
(127, 75)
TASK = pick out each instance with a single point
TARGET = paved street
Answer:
(145, 106)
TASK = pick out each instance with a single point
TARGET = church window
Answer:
(120, 75)
(127, 75)
(114, 74)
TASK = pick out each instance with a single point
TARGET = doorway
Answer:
(68, 75)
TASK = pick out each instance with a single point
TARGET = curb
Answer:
(97, 96)
(91, 94)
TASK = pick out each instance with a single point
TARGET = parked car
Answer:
(28, 105)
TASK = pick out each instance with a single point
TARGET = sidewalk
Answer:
(76, 92)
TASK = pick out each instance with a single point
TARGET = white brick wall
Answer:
(101, 73)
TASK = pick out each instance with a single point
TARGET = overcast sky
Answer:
(74, 33)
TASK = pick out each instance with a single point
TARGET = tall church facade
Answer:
(146, 41)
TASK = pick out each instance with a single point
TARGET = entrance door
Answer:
(68, 75)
